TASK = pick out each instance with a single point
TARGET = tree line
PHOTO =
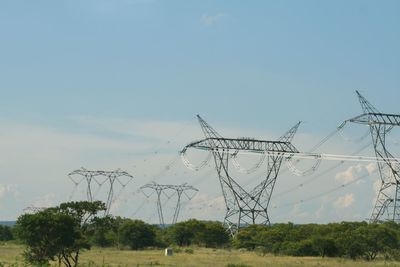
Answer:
(346, 239)
(62, 233)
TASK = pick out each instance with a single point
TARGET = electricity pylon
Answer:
(171, 189)
(387, 205)
(100, 178)
(242, 207)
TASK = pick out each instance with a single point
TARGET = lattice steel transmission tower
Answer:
(387, 205)
(243, 207)
(100, 178)
(169, 191)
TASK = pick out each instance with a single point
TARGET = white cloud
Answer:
(371, 167)
(8, 189)
(211, 19)
(344, 201)
(297, 213)
(355, 172)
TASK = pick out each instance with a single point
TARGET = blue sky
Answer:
(115, 79)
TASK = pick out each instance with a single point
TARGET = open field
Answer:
(11, 254)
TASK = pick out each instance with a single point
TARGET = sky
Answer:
(116, 84)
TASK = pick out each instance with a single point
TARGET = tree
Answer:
(6, 233)
(103, 231)
(84, 214)
(136, 234)
(59, 232)
(298, 248)
(186, 233)
(325, 246)
(215, 235)
(202, 233)
(249, 237)
(377, 238)
(45, 233)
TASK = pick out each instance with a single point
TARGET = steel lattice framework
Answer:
(169, 191)
(100, 178)
(243, 207)
(387, 205)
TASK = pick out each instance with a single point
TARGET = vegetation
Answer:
(207, 234)
(62, 233)
(113, 257)
(137, 234)
(6, 233)
(347, 239)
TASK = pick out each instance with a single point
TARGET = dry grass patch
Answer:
(11, 254)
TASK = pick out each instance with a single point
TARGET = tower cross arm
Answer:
(377, 118)
(243, 144)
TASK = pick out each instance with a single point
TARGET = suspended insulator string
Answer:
(169, 196)
(76, 185)
(99, 186)
(244, 170)
(192, 167)
(292, 167)
(321, 142)
(279, 194)
(298, 172)
(190, 197)
(327, 192)
(318, 175)
(333, 157)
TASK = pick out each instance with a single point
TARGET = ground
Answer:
(10, 255)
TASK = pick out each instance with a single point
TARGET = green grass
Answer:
(10, 255)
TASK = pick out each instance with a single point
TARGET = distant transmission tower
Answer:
(169, 191)
(99, 178)
(244, 208)
(387, 205)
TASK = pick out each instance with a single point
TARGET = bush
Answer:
(208, 234)
(137, 234)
